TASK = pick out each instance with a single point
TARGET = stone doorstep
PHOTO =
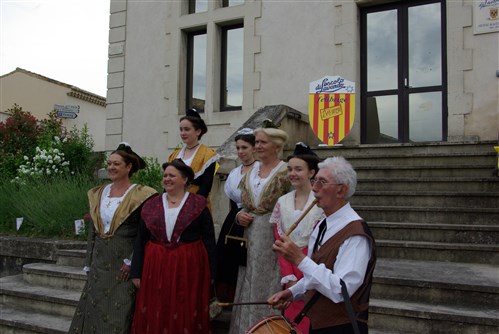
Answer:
(55, 270)
(53, 275)
(439, 252)
(72, 252)
(15, 320)
(425, 209)
(444, 283)
(473, 216)
(435, 312)
(478, 277)
(17, 292)
(437, 226)
(74, 257)
(454, 233)
(444, 246)
(454, 185)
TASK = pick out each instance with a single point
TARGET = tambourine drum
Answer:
(274, 324)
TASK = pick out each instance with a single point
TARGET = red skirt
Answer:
(174, 290)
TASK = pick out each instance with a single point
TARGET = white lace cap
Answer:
(245, 131)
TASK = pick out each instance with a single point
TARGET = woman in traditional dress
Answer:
(107, 300)
(201, 158)
(231, 254)
(302, 167)
(260, 189)
(174, 258)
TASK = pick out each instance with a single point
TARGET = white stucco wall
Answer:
(484, 84)
(473, 88)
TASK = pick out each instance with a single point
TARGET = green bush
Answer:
(78, 146)
(45, 173)
(150, 176)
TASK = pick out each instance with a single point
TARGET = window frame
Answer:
(223, 66)
(189, 78)
(402, 91)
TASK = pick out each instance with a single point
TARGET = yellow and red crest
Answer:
(331, 108)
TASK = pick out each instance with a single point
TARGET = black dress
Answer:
(231, 253)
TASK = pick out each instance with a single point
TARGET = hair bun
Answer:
(191, 112)
(303, 149)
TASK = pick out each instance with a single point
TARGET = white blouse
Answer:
(257, 183)
(231, 186)
(188, 162)
(109, 205)
(171, 214)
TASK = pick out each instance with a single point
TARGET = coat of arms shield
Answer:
(331, 108)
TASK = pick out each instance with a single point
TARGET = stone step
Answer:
(221, 324)
(402, 172)
(427, 199)
(429, 215)
(17, 293)
(449, 184)
(428, 160)
(71, 257)
(19, 321)
(453, 233)
(55, 276)
(437, 283)
(422, 318)
(409, 149)
(71, 244)
(438, 251)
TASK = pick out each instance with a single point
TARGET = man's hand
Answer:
(281, 300)
(288, 250)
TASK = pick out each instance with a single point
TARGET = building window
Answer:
(196, 70)
(231, 89)
(403, 66)
(198, 6)
(229, 3)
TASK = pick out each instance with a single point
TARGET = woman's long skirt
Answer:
(174, 290)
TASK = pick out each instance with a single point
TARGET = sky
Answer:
(65, 40)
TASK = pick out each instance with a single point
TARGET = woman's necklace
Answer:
(172, 201)
(247, 165)
(192, 147)
(111, 199)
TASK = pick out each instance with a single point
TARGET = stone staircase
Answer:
(433, 209)
(43, 298)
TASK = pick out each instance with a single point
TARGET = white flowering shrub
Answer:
(47, 162)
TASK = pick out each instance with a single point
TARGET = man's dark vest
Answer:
(326, 313)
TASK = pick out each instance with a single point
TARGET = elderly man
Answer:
(341, 258)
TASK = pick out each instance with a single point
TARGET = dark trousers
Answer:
(341, 329)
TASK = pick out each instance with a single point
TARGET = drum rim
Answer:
(274, 316)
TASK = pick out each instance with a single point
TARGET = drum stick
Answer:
(243, 303)
(292, 228)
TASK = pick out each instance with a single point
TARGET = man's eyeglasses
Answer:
(322, 183)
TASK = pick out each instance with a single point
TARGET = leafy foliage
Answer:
(18, 137)
(150, 176)
(45, 172)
